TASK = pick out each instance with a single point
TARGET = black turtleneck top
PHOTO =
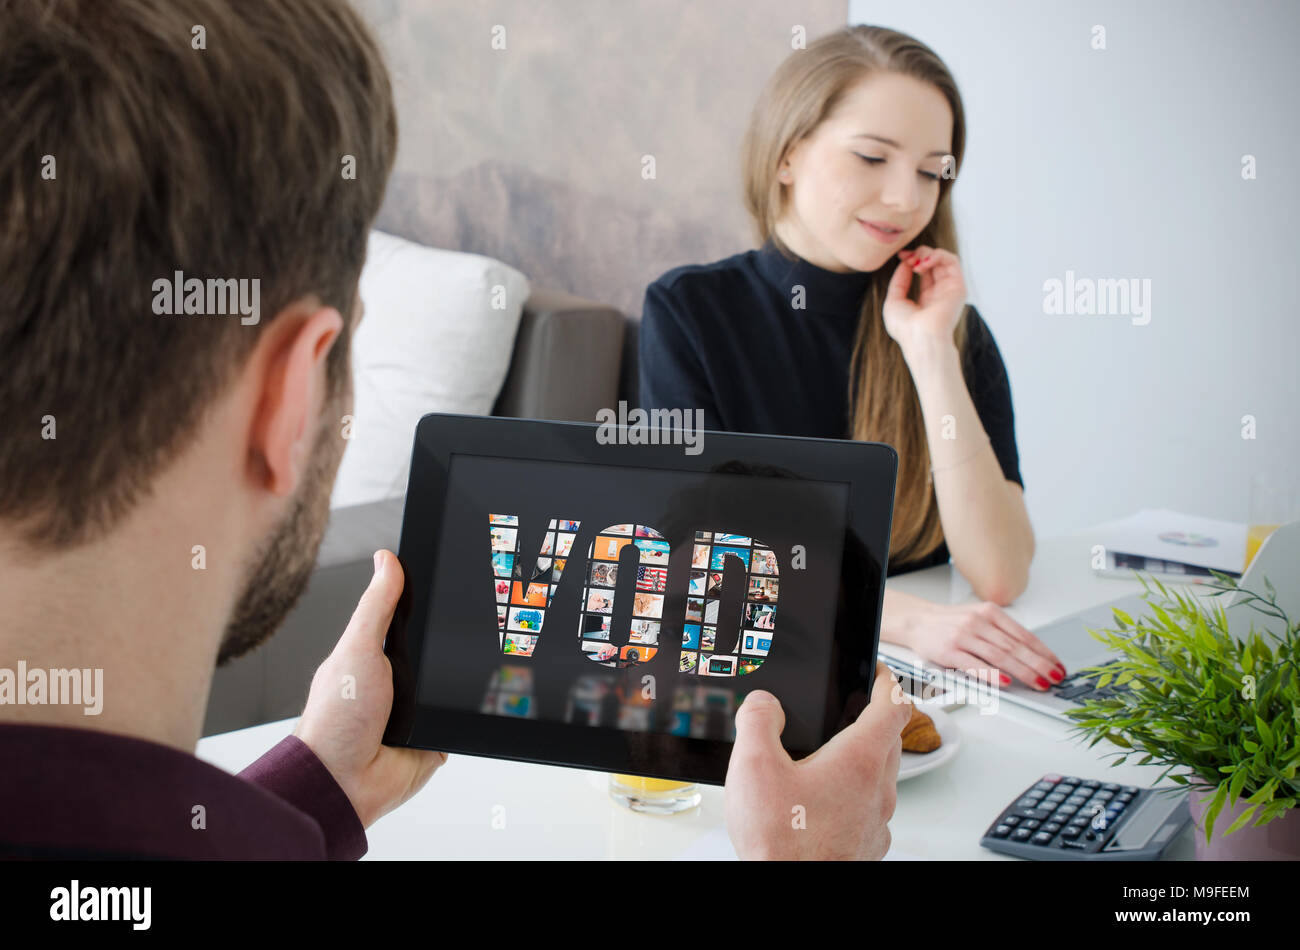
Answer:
(723, 337)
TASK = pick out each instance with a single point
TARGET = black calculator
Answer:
(1063, 818)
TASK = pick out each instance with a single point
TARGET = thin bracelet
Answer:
(962, 461)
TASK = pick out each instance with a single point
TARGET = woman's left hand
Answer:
(933, 317)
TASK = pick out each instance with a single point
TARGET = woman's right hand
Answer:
(980, 637)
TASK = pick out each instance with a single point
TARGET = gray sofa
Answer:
(556, 333)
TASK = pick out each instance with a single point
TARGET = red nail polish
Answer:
(1056, 676)
(1005, 680)
(1042, 683)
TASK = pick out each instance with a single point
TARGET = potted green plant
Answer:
(1219, 712)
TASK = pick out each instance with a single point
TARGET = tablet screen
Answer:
(637, 599)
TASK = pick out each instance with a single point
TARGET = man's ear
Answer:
(293, 388)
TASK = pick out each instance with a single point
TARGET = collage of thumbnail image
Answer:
(647, 596)
(522, 605)
(758, 616)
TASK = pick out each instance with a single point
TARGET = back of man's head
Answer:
(150, 140)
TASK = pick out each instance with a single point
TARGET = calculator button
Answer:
(1037, 814)
(1054, 799)
(1001, 831)
(1124, 797)
(1111, 787)
(1103, 795)
(1078, 822)
(1042, 838)
(1076, 800)
(1052, 827)
(1027, 803)
(1021, 834)
(1045, 786)
(1091, 783)
(1071, 833)
(1067, 810)
(1117, 806)
(1130, 790)
(1030, 824)
(1011, 820)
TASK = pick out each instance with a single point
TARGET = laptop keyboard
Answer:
(1080, 685)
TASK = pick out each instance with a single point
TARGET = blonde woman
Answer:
(850, 321)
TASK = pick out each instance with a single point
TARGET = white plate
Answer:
(916, 763)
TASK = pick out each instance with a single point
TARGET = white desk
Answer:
(550, 812)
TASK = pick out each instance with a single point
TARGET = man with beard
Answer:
(165, 477)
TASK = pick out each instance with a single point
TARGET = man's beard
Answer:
(285, 562)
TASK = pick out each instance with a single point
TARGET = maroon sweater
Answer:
(75, 793)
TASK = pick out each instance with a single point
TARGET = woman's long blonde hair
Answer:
(883, 404)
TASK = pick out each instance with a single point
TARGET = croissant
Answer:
(919, 735)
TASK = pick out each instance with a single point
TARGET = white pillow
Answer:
(431, 341)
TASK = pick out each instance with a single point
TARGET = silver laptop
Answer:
(1278, 559)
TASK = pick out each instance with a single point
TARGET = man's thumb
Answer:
(369, 624)
(759, 722)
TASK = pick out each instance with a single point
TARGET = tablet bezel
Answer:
(869, 469)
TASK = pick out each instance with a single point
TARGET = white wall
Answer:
(1126, 163)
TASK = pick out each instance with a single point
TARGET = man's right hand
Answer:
(834, 804)
(345, 727)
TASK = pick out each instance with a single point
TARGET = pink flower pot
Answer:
(1279, 840)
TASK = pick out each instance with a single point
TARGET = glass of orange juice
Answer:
(1256, 535)
(654, 796)
(1273, 501)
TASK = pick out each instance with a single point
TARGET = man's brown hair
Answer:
(139, 138)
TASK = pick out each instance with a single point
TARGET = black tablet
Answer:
(604, 596)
